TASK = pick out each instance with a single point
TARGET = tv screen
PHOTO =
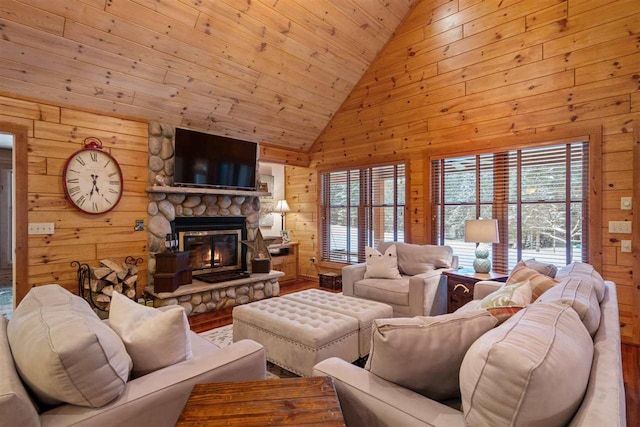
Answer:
(203, 159)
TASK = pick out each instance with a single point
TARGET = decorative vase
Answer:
(482, 263)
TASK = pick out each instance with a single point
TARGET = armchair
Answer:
(422, 290)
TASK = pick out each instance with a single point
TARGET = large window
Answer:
(361, 207)
(538, 195)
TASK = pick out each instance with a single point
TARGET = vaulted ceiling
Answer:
(271, 71)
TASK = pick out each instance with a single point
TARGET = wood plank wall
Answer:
(458, 70)
(54, 133)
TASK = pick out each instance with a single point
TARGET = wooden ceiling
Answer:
(271, 71)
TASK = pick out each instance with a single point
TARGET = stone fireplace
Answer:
(193, 210)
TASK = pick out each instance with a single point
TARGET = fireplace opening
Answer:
(214, 245)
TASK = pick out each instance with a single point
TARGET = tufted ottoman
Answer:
(297, 336)
(364, 311)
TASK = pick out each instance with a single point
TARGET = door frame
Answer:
(20, 209)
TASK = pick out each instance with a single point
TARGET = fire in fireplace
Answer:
(214, 243)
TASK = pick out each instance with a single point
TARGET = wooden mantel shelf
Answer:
(198, 190)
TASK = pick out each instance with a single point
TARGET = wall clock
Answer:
(92, 179)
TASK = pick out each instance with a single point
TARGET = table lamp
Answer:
(283, 207)
(481, 231)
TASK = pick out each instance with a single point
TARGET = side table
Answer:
(460, 285)
(284, 401)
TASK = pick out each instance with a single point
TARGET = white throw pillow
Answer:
(63, 352)
(382, 266)
(154, 339)
(514, 295)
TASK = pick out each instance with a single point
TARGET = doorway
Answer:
(6, 224)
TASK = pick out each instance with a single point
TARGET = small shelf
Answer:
(197, 190)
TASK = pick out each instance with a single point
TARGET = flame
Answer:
(216, 257)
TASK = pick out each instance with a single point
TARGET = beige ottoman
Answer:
(297, 336)
(364, 311)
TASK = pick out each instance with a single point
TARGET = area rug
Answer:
(223, 337)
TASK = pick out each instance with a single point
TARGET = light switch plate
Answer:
(625, 203)
(620, 227)
(41, 228)
(625, 245)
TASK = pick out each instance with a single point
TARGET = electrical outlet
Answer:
(625, 245)
(41, 228)
(620, 227)
(625, 203)
(313, 260)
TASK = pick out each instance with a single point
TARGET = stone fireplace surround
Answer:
(167, 203)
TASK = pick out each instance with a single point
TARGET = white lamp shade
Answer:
(282, 206)
(481, 231)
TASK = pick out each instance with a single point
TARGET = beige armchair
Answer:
(421, 291)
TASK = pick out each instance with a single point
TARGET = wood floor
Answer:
(630, 354)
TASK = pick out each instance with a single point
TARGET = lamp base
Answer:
(482, 263)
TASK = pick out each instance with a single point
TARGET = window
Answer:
(361, 207)
(538, 195)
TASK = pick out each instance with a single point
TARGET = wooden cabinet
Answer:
(460, 285)
(284, 257)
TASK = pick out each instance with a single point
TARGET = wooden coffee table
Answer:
(285, 401)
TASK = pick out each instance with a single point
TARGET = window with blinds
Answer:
(538, 195)
(361, 207)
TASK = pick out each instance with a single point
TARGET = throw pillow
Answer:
(532, 370)
(382, 266)
(514, 295)
(154, 339)
(585, 271)
(539, 282)
(418, 259)
(63, 352)
(580, 294)
(424, 353)
(541, 267)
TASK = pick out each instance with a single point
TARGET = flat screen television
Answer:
(209, 160)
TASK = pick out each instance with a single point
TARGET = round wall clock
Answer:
(92, 179)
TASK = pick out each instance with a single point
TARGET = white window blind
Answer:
(538, 195)
(361, 207)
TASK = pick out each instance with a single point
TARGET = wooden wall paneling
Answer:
(635, 240)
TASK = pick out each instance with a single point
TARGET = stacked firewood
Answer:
(111, 276)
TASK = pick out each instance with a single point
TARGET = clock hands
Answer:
(94, 186)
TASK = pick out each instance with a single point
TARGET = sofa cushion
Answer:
(418, 259)
(541, 267)
(580, 293)
(585, 271)
(539, 282)
(16, 408)
(430, 349)
(154, 339)
(382, 266)
(513, 295)
(390, 291)
(531, 370)
(64, 352)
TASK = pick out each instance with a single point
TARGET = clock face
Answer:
(93, 181)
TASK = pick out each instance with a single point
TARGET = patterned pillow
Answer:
(539, 282)
(514, 295)
(503, 313)
(541, 267)
(382, 266)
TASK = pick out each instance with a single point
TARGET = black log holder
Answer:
(84, 281)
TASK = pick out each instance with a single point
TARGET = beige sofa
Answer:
(422, 290)
(155, 399)
(368, 400)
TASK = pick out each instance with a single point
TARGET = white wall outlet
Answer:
(625, 245)
(620, 227)
(625, 203)
(41, 228)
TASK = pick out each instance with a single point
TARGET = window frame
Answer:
(592, 136)
(393, 160)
